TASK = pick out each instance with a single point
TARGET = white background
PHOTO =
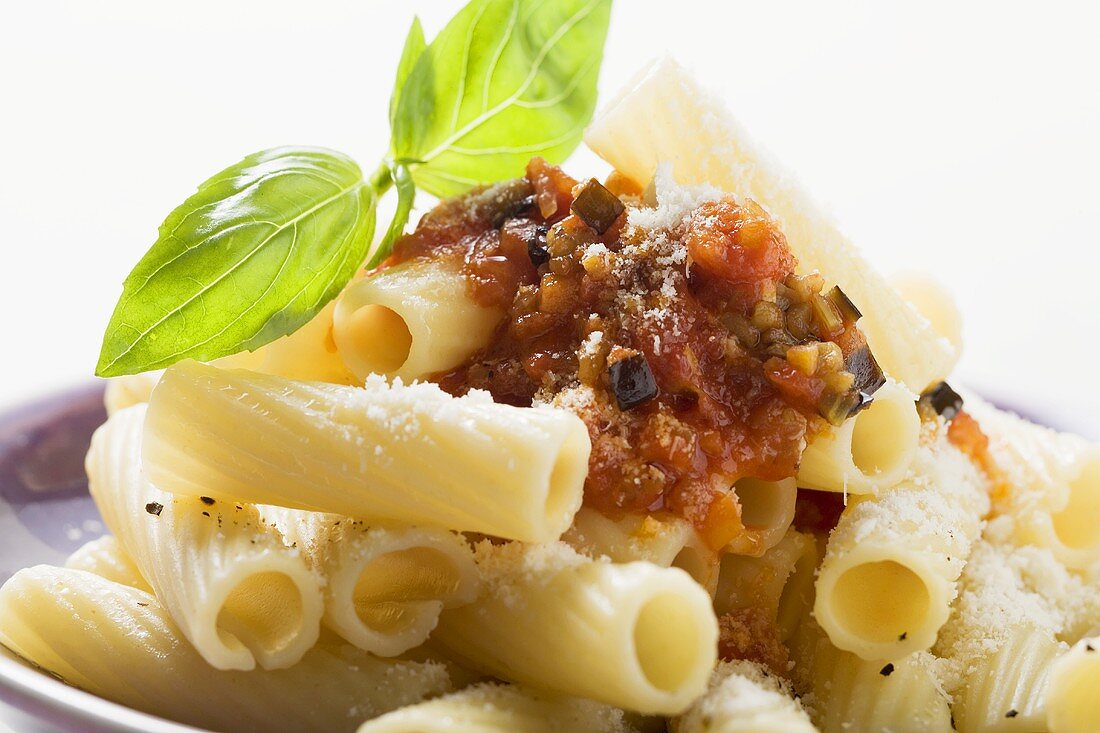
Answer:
(957, 137)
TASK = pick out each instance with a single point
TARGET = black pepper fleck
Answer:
(206, 500)
(1011, 714)
(143, 605)
(632, 381)
(1089, 648)
(154, 508)
(206, 514)
(887, 670)
(903, 635)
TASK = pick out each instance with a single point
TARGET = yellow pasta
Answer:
(664, 115)
(383, 587)
(636, 636)
(120, 643)
(744, 698)
(1073, 705)
(106, 558)
(411, 320)
(870, 452)
(383, 453)
(888, 576)
(491, 708)
(237, 592)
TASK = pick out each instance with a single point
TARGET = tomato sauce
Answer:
(728, 404)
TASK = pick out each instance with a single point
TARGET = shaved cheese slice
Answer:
(665, 115)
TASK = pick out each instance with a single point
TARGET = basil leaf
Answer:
(406, 195)
(505, 80)
(257, 251)
(410, 54)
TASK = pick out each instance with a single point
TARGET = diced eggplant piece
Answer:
(862, 364)
(843, 304)
(838, 408)
(945, 401)
(596, 206)
(632, 381)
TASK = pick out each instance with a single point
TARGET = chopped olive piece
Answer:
(596, 206)
(844, 304)
(887, 670)
(944, 400)
(632, 381)
(838, 408)
(154, 508)
(536, 247)
(862, 364)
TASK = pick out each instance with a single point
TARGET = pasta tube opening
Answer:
(870, 452)
(1072, 703)
(666, 641)
(377, 340)
(264, 614)
(394, 591)
(767, 510)
(880, 602)
(411, 320)
(1076, 525)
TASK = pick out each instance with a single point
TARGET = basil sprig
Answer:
(262, 246)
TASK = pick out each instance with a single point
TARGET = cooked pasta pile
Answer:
(589, 457)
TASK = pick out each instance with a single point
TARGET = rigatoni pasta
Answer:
(633, 635)
(410, 454)
(106, 558)
(237, 592)
(120, 643)
(871, 452)
(888, 576)
(744, 698)
(607, 457)
(492, 708)
(647, 124)
(383, 587)
(411, 320)
(1072, 703)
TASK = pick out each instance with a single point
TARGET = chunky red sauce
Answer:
(711, 304)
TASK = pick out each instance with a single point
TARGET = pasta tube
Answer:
(1052, 484)
(664, 115)
(309, 354)
(407, 454)
(666, 541)
(870, 452)
(849, 693)
(384, 588)
(120, 643)
(411, 320)
(1000, 646)
(106, 558)
(635, 636)
(780, 583)
(888, 578)
(490, 708)
(238, 594)
(744, 698)
(1072, 703)
(132, 389)
(767, 510)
